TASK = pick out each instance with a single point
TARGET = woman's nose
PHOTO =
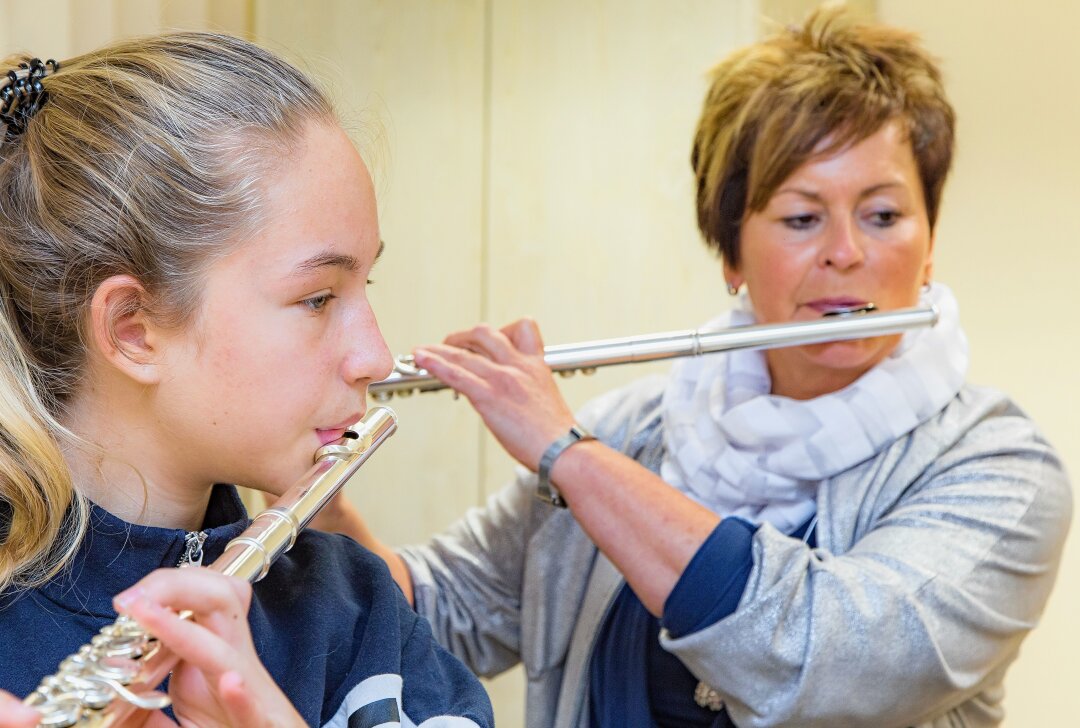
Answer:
(842, 246)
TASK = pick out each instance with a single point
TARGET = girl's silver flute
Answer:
(860, 323)
(121, 668)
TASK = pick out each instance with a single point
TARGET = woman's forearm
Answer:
(647, 529)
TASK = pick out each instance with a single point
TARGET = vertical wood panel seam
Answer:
(485, 221)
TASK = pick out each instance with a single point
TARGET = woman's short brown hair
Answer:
(771, 105)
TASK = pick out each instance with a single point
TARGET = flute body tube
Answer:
(586, 357)
(122, 666)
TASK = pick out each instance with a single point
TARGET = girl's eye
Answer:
(317, 303)
(800, 222)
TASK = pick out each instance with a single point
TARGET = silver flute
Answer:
(842, 325)
(122, 667)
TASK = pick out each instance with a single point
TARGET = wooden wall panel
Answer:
(409, 79)
(1007, 244)
(591, 212)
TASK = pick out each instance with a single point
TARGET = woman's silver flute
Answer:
(569, 358)
(122, 667)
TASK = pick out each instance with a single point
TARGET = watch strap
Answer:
(545, 489)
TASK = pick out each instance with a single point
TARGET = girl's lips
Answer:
(329, 434)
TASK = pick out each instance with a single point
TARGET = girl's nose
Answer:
(367, 358)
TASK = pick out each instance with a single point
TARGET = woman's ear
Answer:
(928, 264)
(732, 277)
(122, 331)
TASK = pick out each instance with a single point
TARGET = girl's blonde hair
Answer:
(145, 159)
(834, 81)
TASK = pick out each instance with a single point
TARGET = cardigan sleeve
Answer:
(468, 580)
(927, 605)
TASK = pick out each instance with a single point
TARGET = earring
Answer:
(732, 289)
(926, 287)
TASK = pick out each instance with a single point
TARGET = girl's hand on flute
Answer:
(503, 375)
(13, 714)
(220, 680)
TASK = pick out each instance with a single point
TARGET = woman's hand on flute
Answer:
(220, 681)
(613, 498)
(503, 374)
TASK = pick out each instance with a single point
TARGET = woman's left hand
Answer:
(220, 681)
(503, 374)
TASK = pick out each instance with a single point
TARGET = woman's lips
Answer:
(825, 305)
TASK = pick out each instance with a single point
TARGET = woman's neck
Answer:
(125, 466)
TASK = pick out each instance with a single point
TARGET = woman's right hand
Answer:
(13, 714)
(503, 375)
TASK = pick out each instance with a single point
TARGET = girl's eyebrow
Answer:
(329, 258)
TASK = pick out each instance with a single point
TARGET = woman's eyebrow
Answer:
(810, 194)
(813, 195)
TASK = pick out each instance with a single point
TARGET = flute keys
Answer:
(567, 373)
(59, 714)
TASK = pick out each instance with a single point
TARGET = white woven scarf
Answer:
(741, 451)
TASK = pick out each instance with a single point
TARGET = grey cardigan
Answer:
(933, 561)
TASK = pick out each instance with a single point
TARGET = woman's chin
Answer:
(852, 358)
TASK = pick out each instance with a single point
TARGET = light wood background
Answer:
(531, 158)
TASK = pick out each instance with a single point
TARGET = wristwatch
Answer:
(545, 490)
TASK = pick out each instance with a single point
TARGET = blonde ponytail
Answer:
(44, 518)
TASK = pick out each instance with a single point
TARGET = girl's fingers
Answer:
(142, 719)
(238, 701)
(201, 591)
(193, 643)
(13, 714)
(218, 603)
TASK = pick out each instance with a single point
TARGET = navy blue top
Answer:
(328, 622)
(633, 681)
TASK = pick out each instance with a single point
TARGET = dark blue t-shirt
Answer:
(328, 622)
(636, 683)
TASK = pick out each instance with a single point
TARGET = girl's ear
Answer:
(122, 331)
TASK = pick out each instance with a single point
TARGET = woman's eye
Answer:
(317, 303)
(800, 222)
(884, 218)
